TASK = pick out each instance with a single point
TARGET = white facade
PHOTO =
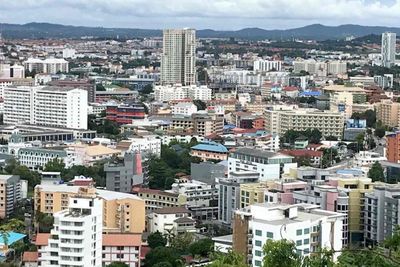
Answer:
(307, 226)
(267, 65)
(179, 92)
(178, 61)
(186, 109)
(7, 71)
(164, 220)
(311, 66)
(69, 53)
(76, 238)
(337, 67)
(146, 145)
(197, 194)
(48, 65)
(388, 49)
(51, 106)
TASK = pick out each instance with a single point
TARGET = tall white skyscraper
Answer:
(76, 239)
(178, 62)
(388, 49)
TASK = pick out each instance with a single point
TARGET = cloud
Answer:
(218, 14)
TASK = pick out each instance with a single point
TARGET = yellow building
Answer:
(388, 112)
(251, 194)
(356, 187)
(121, 212)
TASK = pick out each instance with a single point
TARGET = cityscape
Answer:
(163, 145)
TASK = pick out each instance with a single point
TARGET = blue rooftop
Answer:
(310, 93)
(355, 172)
(211, 146)
(12, 237)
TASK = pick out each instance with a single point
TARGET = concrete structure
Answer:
(178, 61)
(269, 165)
(166, 93)
(157, 199)
(186, 109)
(11, 192)
(388, 49)
(123, 114)
(121, 212)
(387, 112)
(48, 65)
(393, 147)
(15, 72)
(121, 176)
(337, 67)
(87, 85)
(381, 212)
(76, 238)
(267, 65)
(145, 145)
(201, 124)
(48, 106)
(174, 220)
(209, 151)
(251, 194)
(206, 172)
(329, 123)
(307, 226)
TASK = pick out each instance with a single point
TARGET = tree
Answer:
(376, 172)
(181, 242)
(280, 253)
(100, 87)
(161, 255)
(230, 259)
(118, 264)
(331, 138)
(147, 89)
(200, 104)
(315, 136)
(44, 222)
(201, 247)
(380, 132)
(156, 239)
(55, 165)
(369, 115)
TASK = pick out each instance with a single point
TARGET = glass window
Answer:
(306, 241)
(258, 243)
(258, 253)
(306, 231)
(299, 242)
(299, 232)
(258, 232)
(270, 235)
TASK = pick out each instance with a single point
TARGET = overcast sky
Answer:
(201, 14)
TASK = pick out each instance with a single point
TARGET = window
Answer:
(299, 232)
(258, 232)
(120, 248)
(306, 241)
(258, 253)
(306, 251)
(299, 242)
(257, 263)
(306, 231)
(258, 243)
(120, 256)
(270, 235)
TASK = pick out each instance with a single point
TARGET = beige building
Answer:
(387, 112)
(251, 194)
(10, 192)
(121, 212)
(329, 123)
(157, 199)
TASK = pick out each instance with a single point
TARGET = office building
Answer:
(122, 212)
(178, 61)
(11, 191)
(164, 93)
(48, 65)
(269, 165)
(44, 105)
(280, 121)
(381, 212)
(122, 175)
(76, 239)
(393, 147)
(388, 49)
(309, 227)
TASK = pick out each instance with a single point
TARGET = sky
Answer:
(202, 14)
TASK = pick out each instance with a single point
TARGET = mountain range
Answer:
(36, 30)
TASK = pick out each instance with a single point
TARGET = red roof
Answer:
(241, 130)
(126, 240)
(302, 153)
(30, 256)
(42, 239)
(290, 88)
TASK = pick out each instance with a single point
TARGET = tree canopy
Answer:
(376, 172)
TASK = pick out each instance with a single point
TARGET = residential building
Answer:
(44, 105)
(337, 67)
(87, 85)
(178, 61)
(186, 109)
(48, 65)
(8, 71)
(124, 248)
(121, 212)
(311, 66)
(251, 194)
(173, 220)
(280, 121)
(201, 124)
(122, 175)
(11, 192)
(393, 147)
(145, 145)
(381, 212)
(209, 151)
(269, 165)
(125, 114)
(164, 93)
(157, 199)
(388, 49)
(365, 159)
(387, 112)
(90, 154)
(267, 65)
(76, 238)
(229, 193)
(307, 226)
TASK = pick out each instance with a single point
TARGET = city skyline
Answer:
(220, 15)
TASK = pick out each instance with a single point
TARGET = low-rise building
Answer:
(209, 151)
(157, 199)
(173, 220)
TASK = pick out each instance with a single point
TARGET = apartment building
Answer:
(45, 105)
(201, 124)
(121, 212)
(173, 220)
(381, 212)
(393, 147)
(209, 151)
(186, 109)
(157, 199)
(280, 121)
(267, 65)
(125, 114)
(76, 238)
(388, 112)
(251, 194)
(309, 227)
(48, 65)
(270, 165)
(11, 191)
(165, 93)
(178, 60)
(87, 85)
(8, 71)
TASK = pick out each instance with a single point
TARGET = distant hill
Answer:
(315, 31)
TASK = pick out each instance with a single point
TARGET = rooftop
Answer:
(126, 240)
(172, 210)
(210, 146)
